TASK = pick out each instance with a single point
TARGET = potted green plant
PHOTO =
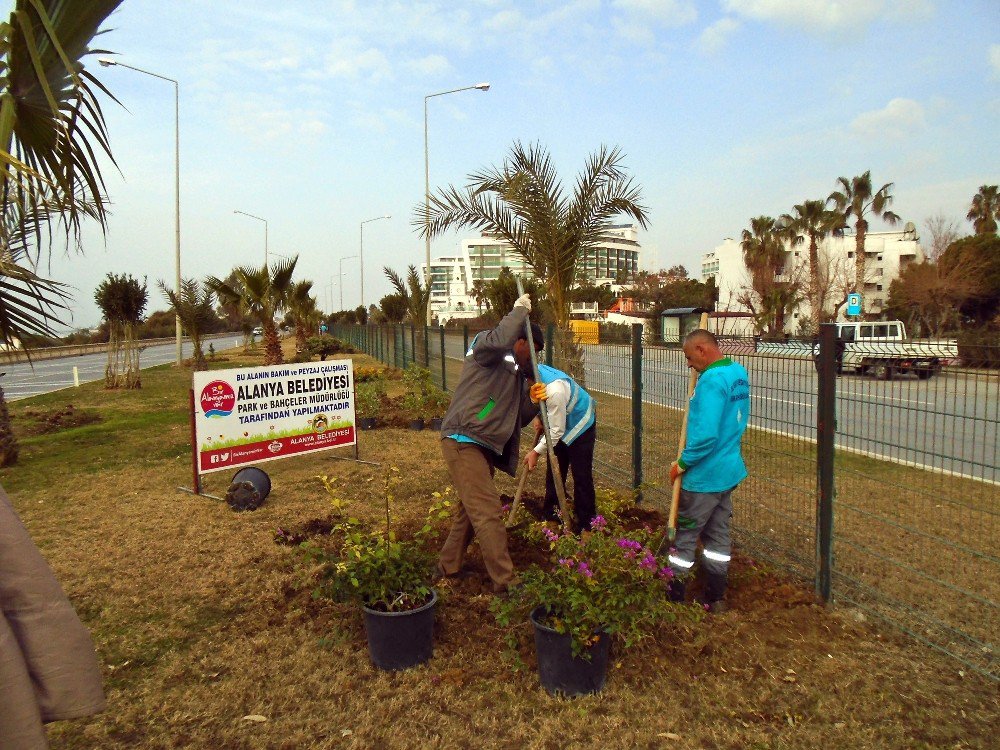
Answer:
(602, 585)
(368, 399)
(436, 405)
(418, 388)
(389, 577)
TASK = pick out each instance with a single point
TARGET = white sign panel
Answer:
(254, 414)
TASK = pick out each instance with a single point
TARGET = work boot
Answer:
(676, 590)
(715, 591)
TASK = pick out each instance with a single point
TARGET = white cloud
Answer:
(995, 60)
(899, 118)
(504, 21)
(429, 65)
(829, 15)
(715, 37)
(272, 124)
(348, 59)
(662, 12)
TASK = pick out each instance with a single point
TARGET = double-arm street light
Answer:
(244, 213)
(427, 185)
(108, 62)
(340, 279)
(362, 255)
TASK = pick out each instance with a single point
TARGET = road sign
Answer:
(853, 303)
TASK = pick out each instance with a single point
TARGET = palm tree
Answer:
(416, 295)
(52, 134)
(524, 203)
(763, 247)
(122, 300)
(985, 210)
(813, 220)
(194, 307)
(303, 312)
(263, 292)
(856, 199)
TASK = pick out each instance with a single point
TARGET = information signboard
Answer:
(854, 303)
(254, 414)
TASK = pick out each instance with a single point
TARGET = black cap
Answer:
(537, 336)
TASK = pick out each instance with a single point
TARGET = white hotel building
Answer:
(482, 258)
(887, 254)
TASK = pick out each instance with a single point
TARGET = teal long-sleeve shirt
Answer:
(711, 459)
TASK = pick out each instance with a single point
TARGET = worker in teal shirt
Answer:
(710, 466)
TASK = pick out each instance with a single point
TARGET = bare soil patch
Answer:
(37, 421)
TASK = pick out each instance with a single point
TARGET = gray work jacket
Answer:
(491, 402)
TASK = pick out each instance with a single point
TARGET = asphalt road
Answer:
(950, 422)
(22, 380)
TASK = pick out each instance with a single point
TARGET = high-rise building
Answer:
(886, 255)
(482, 258)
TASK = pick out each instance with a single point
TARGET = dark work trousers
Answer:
(580, 458)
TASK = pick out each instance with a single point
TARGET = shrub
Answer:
(979, 347)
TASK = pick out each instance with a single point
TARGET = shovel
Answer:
(517, 497)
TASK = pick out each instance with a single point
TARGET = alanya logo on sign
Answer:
(218, 399)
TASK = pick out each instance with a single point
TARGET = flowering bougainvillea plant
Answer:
(606, 580)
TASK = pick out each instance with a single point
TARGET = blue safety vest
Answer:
(579, 410)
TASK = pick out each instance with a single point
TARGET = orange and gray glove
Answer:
(675, 472)
(537, 392)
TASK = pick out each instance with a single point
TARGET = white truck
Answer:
(880, 349)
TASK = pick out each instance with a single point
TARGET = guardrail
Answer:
(78, 350)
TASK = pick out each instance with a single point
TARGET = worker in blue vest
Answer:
(573, 431)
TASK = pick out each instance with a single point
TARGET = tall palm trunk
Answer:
(861, 230)
(272, 346)
(814, 284)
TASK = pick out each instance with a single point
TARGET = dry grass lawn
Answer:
(209, 637)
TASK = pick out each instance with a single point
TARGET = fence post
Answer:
(637, 410)
(444, 374)
(550, 331)
(427, 346)
(826, 427)
(465, 340)
(396, 335)
(413, 343)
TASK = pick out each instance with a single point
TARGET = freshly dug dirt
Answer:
(45, 421)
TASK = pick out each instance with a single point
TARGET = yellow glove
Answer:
(537, 392)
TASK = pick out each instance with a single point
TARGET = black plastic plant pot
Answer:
(399, 640)
(436, 423)
(416, 424)
(561, 673)
(366, 423)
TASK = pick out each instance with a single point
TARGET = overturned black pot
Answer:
(436, 423)
(561, 673)
(398, 640)
(366, 423)
(416, 424)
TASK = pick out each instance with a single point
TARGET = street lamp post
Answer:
(108, 62)
(340, 265)
(427, 187)
(244, 213)
(362, 255)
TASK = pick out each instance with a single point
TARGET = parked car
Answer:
(258, 331)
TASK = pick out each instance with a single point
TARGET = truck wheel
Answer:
(924, 373)
(882, 371)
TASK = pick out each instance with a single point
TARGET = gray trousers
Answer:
(703, 515)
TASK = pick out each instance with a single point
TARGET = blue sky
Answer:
(310, 114)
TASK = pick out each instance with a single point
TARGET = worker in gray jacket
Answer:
(481, 433)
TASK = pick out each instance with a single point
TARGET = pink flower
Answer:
(648, 562)
(599, 523)
(550, 535)
(565, 562)
(666, 572)
(583, 569)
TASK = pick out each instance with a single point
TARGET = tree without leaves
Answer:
(122, 300)
(263, 293)
(194, 306)
(856, 199)
(524, 204)
(985, 210)
(943, 232)
(813, 221)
